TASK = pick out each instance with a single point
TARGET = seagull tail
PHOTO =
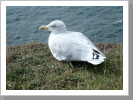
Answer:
(97, 61)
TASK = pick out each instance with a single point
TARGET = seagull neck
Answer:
(59, 32)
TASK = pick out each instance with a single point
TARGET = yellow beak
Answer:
(43, 27)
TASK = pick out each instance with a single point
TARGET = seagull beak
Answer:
(43, 27)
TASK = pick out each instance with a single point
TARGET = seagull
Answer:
(71, 46)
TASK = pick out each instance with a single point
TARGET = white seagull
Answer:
(71, 46)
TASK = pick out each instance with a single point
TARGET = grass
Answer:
(32, 67)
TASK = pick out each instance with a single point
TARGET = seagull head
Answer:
(56, 27)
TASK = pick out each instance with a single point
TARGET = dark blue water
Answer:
(101, 24)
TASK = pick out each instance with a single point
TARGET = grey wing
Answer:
(84, 39)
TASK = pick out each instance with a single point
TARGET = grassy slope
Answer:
(32, 67)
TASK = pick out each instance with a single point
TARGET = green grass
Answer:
(32, 67)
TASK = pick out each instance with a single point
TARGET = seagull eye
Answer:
(52, 26)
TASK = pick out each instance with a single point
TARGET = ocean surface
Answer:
(101, 24)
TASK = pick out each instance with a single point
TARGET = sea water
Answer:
(101, 24)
